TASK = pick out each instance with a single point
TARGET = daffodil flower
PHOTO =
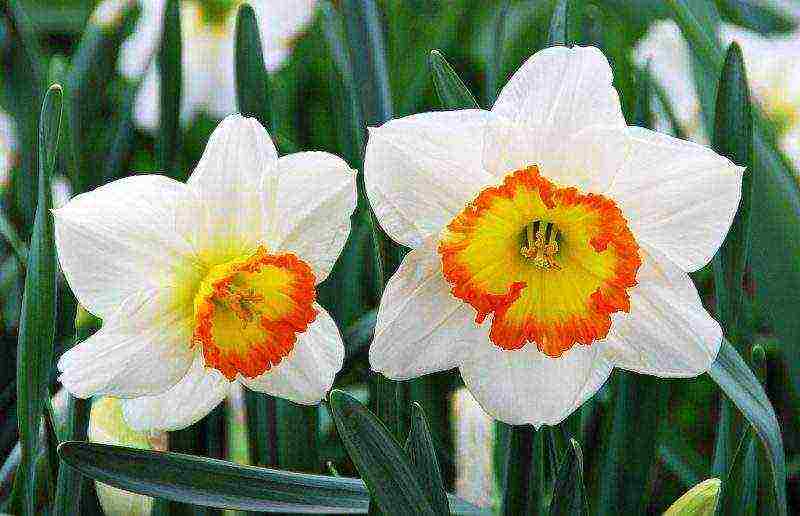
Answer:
(209, 282)
(550, 242)
(208, 30)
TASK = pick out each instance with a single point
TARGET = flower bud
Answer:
(701, 500)
(107, 426)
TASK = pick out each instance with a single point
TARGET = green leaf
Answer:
(365, 37)
(559, 26)
(170, 72)
(569, 495)
(632, 446)
(24, 74)
(68, 490)
(37, 322)
(212, 482)
(738, 493)
(421, 451)
(252, 87)
(297, 436)
(524, 472)
(380, 460)
(733, 138)
(452, 91)
(94, 63)
(739, 383)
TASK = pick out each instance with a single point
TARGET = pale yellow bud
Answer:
(701, 500)
(107, 426)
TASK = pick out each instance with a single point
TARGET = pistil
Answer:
(541, 244)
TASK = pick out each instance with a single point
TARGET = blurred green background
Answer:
(310, 111)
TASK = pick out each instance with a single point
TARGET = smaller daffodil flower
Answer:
(701, 500)
(210, 282)
(107, 426)
(208, 57)
(550, 242)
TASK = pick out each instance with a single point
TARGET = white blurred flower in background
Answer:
(107, 426)
(668, 55)
(474, 438)
(7, 149)
(773, 71)
(208, 51)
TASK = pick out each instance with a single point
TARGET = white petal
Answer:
(560, 90)
(421, 170)
(421, 327)
(230, 182)
(667, 333)
(677, 196)
(527, 387)
(138, 353)
(280, 23)
(198, 392)
(122, 238)
(315, 197)
(307, 374)
(588, 159)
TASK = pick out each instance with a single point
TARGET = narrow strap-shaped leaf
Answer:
(422, 453)
(252, 86)
(214, 483)
(632, 445)
(569, 494)
(365, 36)
(68, 490)
(738, 493)
(494, 67)
(559, 25)
(37, 321)
(524, 472)
(733, 138)
(382, 463)
(452, 91)
(170, 72)
(24, 74)
(94, 63)
(739, 383)
(297, 436)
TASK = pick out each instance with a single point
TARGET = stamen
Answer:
(240, 301)
(541, 244)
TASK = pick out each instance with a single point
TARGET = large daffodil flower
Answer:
(209, 282)
(208, 34)
(550, 242)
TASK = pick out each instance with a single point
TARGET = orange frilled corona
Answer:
(551, 264)
(249, 311)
